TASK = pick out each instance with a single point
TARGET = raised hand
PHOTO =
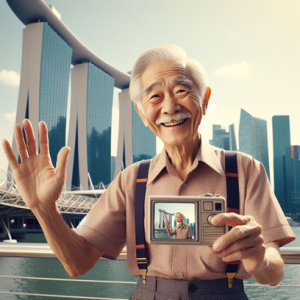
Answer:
(38, 182)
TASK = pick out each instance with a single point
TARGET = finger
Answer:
(231, 219)
(19, 137)
(248, 253)
(30, 138)
(9, 154)
(44, 142)
(61, 163)
(242, 244)
(235, 234)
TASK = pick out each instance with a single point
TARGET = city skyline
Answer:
(245, 69)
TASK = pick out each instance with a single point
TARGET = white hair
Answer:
(170, 53)
(179, 213)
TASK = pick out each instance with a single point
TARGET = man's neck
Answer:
(183, 156)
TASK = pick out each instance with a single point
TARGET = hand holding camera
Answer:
(243, 242)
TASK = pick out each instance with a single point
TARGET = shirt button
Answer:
(184, 186)
(180, 275)
(192, 288)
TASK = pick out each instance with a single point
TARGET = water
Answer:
(109, 270)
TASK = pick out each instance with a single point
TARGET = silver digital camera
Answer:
(185, 220)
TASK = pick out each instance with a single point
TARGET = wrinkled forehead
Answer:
(159, 73)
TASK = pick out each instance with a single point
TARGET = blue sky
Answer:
(250, 50)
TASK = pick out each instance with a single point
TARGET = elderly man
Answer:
(171, 95)
(182, 230)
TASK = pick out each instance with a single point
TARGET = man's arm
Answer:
(170, 233)
(40, 185)
(244, 242)
(76, 254)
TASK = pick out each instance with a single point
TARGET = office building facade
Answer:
(223, 139)
(292, 179)
(253, 138)
(143, 140)
(50, 53)
(44, 83)
(90, 127)
(281, 140)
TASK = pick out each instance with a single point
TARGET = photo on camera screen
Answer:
(174, 220)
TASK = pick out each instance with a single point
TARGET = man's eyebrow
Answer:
(150, 87)
(185, 81)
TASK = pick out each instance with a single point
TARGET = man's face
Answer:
(179, 218)
(167, 91)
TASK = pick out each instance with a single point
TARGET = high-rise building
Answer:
(253, 138)
(223, 139)
(292, 173)
(90, 126)
(50, 50)
(281, 140)
(143, 140)
(135, 141)
(44, 83)
(232, 138)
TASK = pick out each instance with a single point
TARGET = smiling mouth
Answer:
(174, 123)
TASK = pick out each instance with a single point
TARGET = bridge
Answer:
(70, 204)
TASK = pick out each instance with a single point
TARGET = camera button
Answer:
(180, 275)
(192, 288)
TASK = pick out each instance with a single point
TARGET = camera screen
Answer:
(184, 220)
(174, 220)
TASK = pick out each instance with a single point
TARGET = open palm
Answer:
(38, 182)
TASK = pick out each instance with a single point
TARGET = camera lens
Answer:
(218, 206)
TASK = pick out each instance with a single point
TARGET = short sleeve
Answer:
(261, 202)
(105, 225)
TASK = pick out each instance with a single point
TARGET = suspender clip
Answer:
(230, 279)
(142, 261)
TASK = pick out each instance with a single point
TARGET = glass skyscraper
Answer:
(143, 140)
(223, 139)
(100, 88)
(281, 140)
(253, 138)
(44, 84)
(54, 86)
(292, 160)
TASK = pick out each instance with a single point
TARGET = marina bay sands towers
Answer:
(53, 60)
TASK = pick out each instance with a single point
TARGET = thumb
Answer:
(61, 163)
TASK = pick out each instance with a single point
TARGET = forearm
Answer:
(170, 233)
(75, 253)
(273, 269)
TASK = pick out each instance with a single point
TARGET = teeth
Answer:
(173, 123)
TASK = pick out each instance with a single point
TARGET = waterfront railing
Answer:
(291, 255)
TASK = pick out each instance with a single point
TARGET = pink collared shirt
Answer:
(110, 224)
(183, 232)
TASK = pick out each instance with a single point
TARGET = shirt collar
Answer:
(183, 226)
(210, 155)
(207, 154)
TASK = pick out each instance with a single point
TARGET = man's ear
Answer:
(206, 100)
(141, 114)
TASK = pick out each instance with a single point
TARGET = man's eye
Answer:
(154, 96)
(180, 91)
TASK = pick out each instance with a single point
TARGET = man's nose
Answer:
(170, 105)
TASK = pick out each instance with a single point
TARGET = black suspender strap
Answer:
(140, 192)
(233, 202)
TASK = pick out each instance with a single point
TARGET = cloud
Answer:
(10, 78)
(239, 70)
(10, 117)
